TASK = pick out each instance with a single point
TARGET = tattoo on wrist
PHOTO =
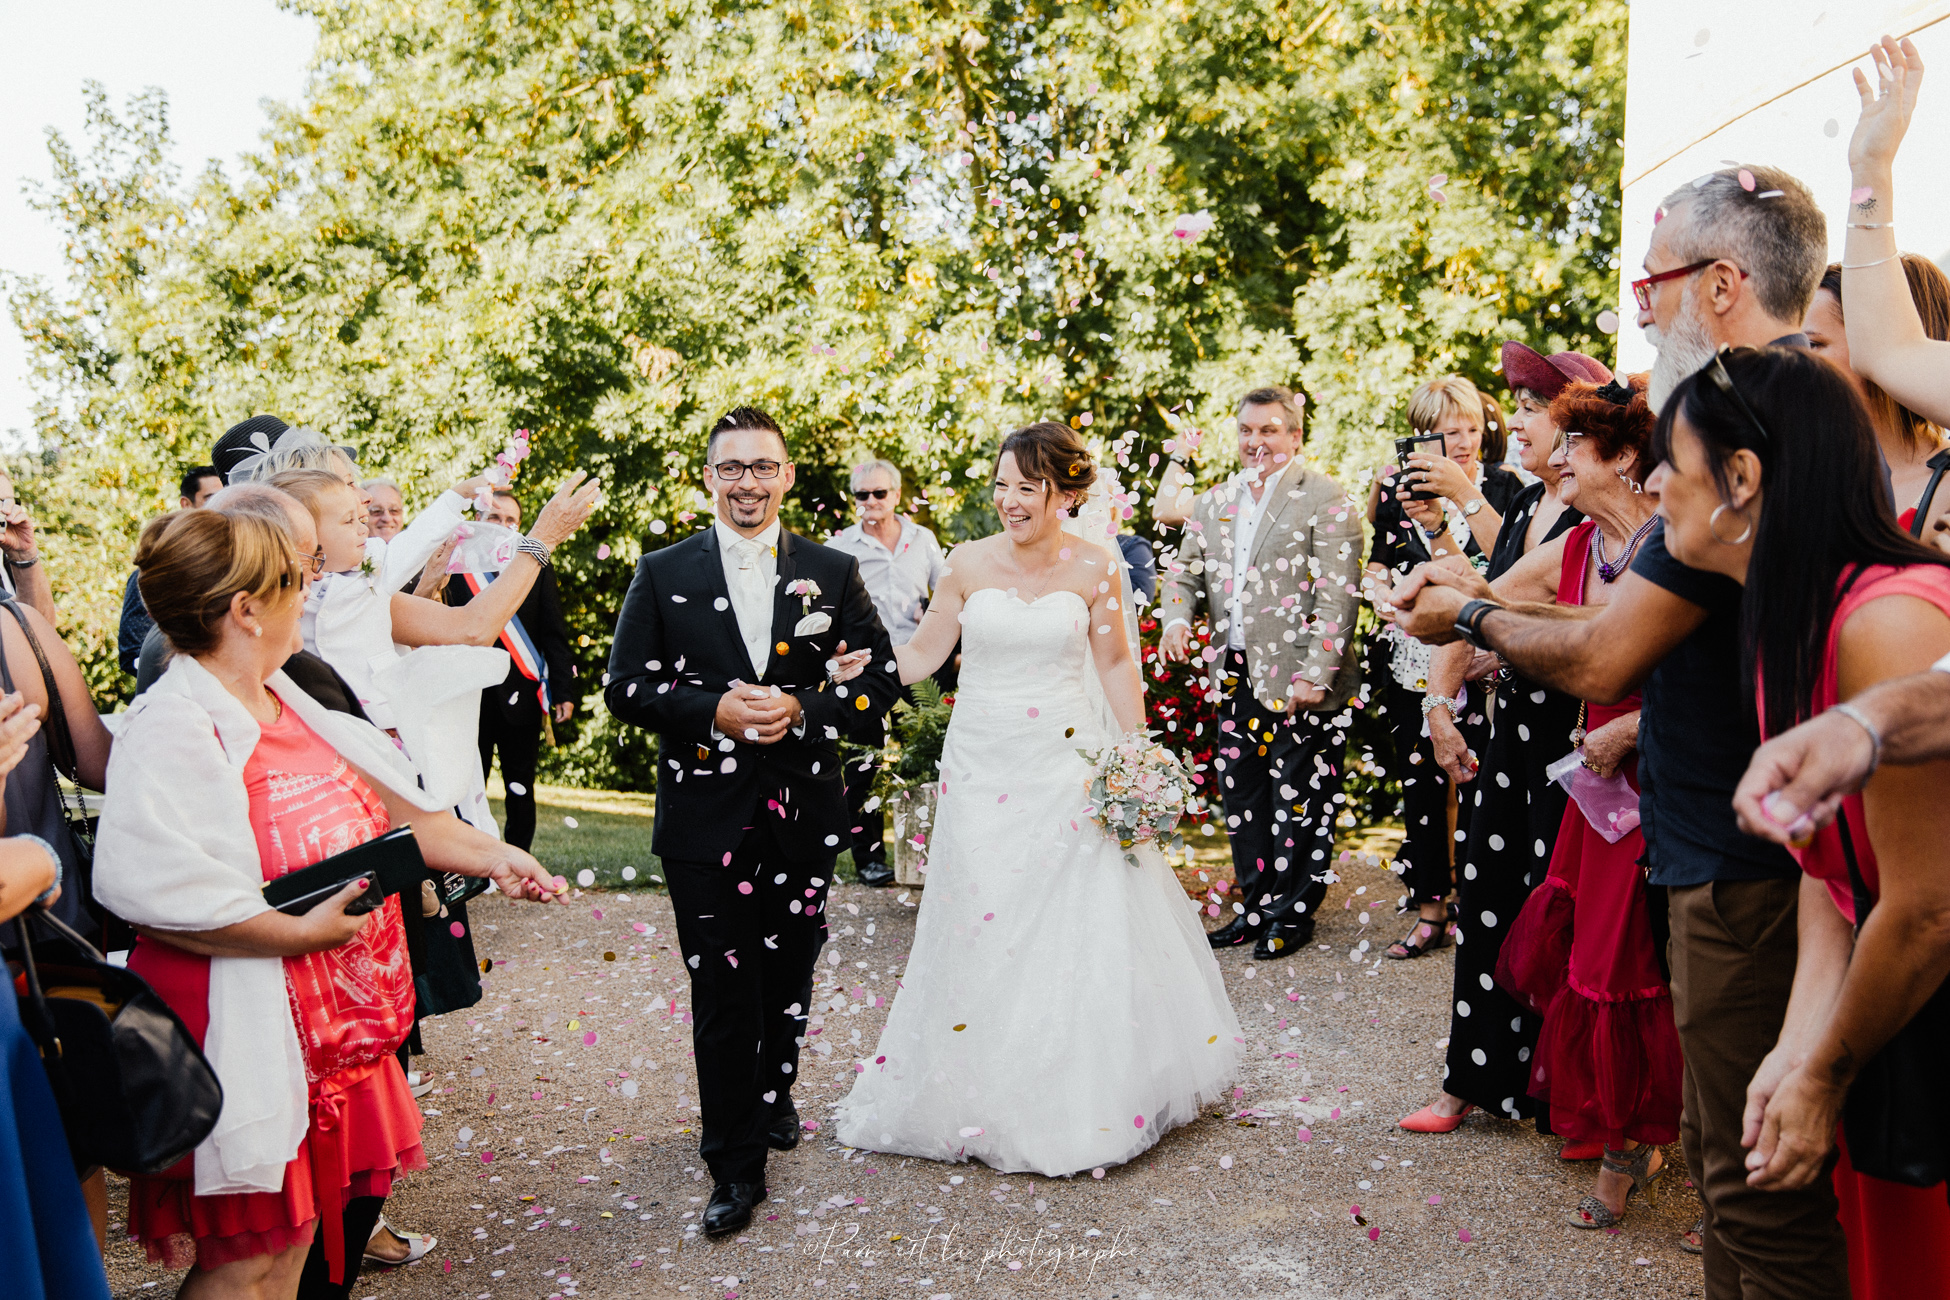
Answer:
(1867, 205)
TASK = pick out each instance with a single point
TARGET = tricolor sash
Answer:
(516, 641)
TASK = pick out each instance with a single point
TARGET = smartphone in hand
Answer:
(1406, 447)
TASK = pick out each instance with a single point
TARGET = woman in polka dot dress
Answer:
(1517, 807)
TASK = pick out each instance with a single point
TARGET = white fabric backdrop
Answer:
(1710, 81)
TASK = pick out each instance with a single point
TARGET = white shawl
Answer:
(175, 850)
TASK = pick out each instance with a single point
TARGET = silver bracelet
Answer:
(1861, 720)
(541, 552)
(52, 856)
(1871, 225)
(28, 563)
(1863, 266)
(1431, 702)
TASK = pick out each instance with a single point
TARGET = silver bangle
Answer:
(27, 563)
(541, 552)
(1863, 266)
(1871, 225)
(1861, 720)
(1431, 702)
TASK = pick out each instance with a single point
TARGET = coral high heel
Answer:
(1426, 1120)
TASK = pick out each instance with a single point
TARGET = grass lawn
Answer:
(603, 831)
(608, 832)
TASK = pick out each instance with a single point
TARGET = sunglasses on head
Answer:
(878, 494)
(1716, 371)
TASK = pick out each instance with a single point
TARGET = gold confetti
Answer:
(783, 648)
(860, 703)
(609, 956)
(959, 1028)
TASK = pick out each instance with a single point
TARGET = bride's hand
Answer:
(844, 667)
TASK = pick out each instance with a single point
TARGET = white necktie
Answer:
(751, 600)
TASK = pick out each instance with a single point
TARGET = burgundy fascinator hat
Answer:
(1547, 376)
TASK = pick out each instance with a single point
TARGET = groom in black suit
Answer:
(721, 649)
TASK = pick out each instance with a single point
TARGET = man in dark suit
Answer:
(540, 682)
(721, 649)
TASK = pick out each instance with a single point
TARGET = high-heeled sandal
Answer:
(1426, 937)
(1594, 1213)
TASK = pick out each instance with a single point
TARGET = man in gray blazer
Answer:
(1273, 554)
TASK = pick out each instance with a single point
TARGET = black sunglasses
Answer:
(878, 494)
(1716, 370)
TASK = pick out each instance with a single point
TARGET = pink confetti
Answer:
(1034, 712)
(596, 912)
(1002, 798)
(1861, 195)
(744, 886)
(727, 859)
(1305, 1135)
(1746, 180)
(1354, 1211)
(1374, 1234)
(589, 1039)
(988, 916)
(1138, 1121)
(640, 927)
(602, 552)
(1435, 1200)
(1097, 1172)
(457, 929)
(487, 1157)
(1462, 1235)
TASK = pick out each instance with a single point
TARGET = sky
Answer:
(218, 60)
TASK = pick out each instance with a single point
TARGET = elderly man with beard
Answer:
(1738, 266)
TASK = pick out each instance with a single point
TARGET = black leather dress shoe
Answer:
(1283, 939)
(877, 874)
(783, 1135)
(731, 1207)
(1233, 933)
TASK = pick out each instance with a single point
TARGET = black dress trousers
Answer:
(751, 930)
(1277, 776)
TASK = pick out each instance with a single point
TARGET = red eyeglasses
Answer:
(1642, 289)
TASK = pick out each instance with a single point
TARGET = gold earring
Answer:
(1713, 526)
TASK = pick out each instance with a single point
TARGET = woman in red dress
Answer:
(1581, 952)
(1771, 476)
(225, 776)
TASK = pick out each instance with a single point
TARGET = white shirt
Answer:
(898, 580)
(1245, 527)
(752, 594)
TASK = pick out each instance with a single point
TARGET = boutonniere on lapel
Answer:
(810, 624)
(368, 570)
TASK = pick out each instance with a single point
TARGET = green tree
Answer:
(903, 228)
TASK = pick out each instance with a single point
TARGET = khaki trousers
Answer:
(1732, 951)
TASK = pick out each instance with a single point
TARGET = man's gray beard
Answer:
(1683, 349)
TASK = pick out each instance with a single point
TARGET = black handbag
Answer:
(135, 1091)
(1894, 1115)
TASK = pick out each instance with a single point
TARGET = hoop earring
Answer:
(1713, 527)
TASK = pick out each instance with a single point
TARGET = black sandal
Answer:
(1437, 937)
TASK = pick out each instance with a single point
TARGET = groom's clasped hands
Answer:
(762, 715)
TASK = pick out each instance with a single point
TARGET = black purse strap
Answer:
(60, 741)
(1864, 901)
(1938, 464)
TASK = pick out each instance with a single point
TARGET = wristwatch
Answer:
(1469, 622)
(1470, 509)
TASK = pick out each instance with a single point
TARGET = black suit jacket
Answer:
(541, 615)
(676, 649)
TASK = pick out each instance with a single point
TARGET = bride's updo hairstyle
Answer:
(1053, 453)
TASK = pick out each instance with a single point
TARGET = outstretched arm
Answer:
(940, 627)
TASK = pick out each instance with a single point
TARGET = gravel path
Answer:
(565, 1163)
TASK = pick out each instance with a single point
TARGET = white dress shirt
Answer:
(751, 572)
(1247, 514)
(899, 580)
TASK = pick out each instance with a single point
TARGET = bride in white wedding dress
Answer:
(1061, 1008)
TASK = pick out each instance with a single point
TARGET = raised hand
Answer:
(574, 501)
(1888, 107)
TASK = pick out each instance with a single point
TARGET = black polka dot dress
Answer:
(1516, 812)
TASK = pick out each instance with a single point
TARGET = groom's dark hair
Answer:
(745, 417)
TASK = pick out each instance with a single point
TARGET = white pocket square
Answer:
(813, 624)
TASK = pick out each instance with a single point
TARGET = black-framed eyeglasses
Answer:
(877, 494)
(1716, 370)
(733, 470)
(1642, 288)
(313, 563)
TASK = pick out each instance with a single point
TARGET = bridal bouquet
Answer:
(1138, 791)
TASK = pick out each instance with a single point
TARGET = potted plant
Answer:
(911, 777)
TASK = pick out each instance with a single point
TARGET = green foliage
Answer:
(918, 729)
(904, 229)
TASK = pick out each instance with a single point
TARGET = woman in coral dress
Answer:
(224, 777)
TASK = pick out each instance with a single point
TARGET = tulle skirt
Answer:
(1061, 1008)
(1581, 954)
